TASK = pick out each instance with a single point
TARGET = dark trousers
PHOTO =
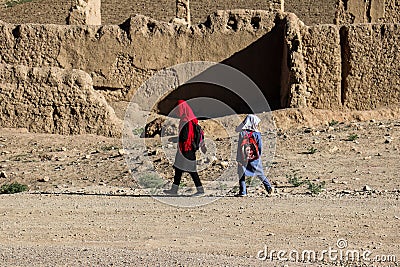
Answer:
(178, 177)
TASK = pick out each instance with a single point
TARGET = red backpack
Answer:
(249, 147)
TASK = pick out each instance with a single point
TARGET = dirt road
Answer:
(63, 230)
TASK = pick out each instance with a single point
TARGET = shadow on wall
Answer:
(261, 62)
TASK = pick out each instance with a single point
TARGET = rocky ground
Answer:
(84, 206)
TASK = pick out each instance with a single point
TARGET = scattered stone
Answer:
(367, 188)
(333, 149)
(388, 140)
(44, 179)
(3, 174)
(347, 192)
(212, 159)
(331, 137)
(169, 146)
(122, 152)
(224, 164)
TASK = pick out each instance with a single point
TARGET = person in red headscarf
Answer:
(185, 159)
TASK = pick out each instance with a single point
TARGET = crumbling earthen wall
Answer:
(324, 66)
(322, 59)
(120, 58)
(353, 66)
(371, 74)
(367, 11)
(53, 100)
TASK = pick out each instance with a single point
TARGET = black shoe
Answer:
(240, 195)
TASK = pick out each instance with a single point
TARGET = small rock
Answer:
(3, 174)
(270, 234)
(388, 140)
(331, 129)
(63, 149)
(44, 179)
(87, 156)
(347, 192)
(122, 152)
(333, 149)
(224, 164)
(367, 188)
(308, 130)
(212, 159)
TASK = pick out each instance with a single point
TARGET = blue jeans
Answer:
(242, 184)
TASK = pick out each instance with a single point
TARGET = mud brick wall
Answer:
(53, 100)
(371, 11)
(322, 59)
(391, 12)
(120, 58)
(371, 70)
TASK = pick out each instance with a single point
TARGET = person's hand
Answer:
(203, 149)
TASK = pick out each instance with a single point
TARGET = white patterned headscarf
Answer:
(249, 123)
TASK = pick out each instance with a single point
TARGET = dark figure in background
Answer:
(185, 159)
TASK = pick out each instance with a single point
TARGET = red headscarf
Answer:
(186, 115)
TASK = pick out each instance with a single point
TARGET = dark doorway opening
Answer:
(261, 61)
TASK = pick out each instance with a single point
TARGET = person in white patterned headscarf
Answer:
(250, 123)
(249, 153)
